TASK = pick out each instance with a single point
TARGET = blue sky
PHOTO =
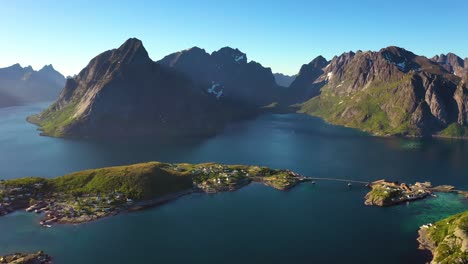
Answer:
(282, 35)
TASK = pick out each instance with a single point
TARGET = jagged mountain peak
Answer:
(452, 63)
(230, 54)
(319, 62)
(398, 56)
(132, 51)
(47, 68)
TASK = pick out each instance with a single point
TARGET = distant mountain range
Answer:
(284, 80)
(20, 85)
(122, 92)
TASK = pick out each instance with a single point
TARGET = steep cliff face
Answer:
(227, 75)
(392, 91)
(20, 85)
(122, 92)
(307, 83)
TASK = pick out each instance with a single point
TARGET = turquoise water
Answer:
(322, 223)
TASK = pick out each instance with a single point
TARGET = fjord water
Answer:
(322, 223)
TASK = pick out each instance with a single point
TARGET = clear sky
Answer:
(282, 35)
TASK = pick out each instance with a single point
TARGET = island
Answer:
(387, 193)
(89, 195)
(24, 258)
(446, 239)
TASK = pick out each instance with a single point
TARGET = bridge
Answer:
(337, 180)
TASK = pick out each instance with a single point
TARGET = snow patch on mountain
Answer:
(239, 58)
(213, 90)
(401, 65)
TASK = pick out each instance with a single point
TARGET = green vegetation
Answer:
(381, 108)
(52, 122)
(455, 130)
(281, 180)
(383, 195)
(139, 181)
(153, 179)
(451, 239)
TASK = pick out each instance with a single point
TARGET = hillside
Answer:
(389, 92)
(447, 239)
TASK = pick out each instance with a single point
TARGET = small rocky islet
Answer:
(26, 258)
(386, 193)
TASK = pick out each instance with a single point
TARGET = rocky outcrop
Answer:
(447, 239)
(22, 258)
(122, 92)
(20, 85)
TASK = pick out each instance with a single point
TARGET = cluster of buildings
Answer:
(87, 205)
(404, 192)
(13, 198)
(219, 178)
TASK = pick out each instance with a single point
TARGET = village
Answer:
(60, 207)
(36, 195)
(221, 178)
(386, 193)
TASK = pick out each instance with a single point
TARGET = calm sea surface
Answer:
(322, 223)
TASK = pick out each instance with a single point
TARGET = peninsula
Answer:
(89, 195)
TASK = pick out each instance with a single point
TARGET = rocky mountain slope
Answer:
(307, 83)
(20, 85)
(389, 92)
(227, 74)
(122, 92)
(452, 63)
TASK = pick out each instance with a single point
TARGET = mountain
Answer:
(452, 63)
(389, 92)
(20, 85)
(283, 80)
(307, 83)
(122, 92)
(227, 75)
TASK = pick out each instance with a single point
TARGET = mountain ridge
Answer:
(122, 92)
(23, 85)
(389, 92)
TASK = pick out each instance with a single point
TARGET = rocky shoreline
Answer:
(25, 258)
(447, 239)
